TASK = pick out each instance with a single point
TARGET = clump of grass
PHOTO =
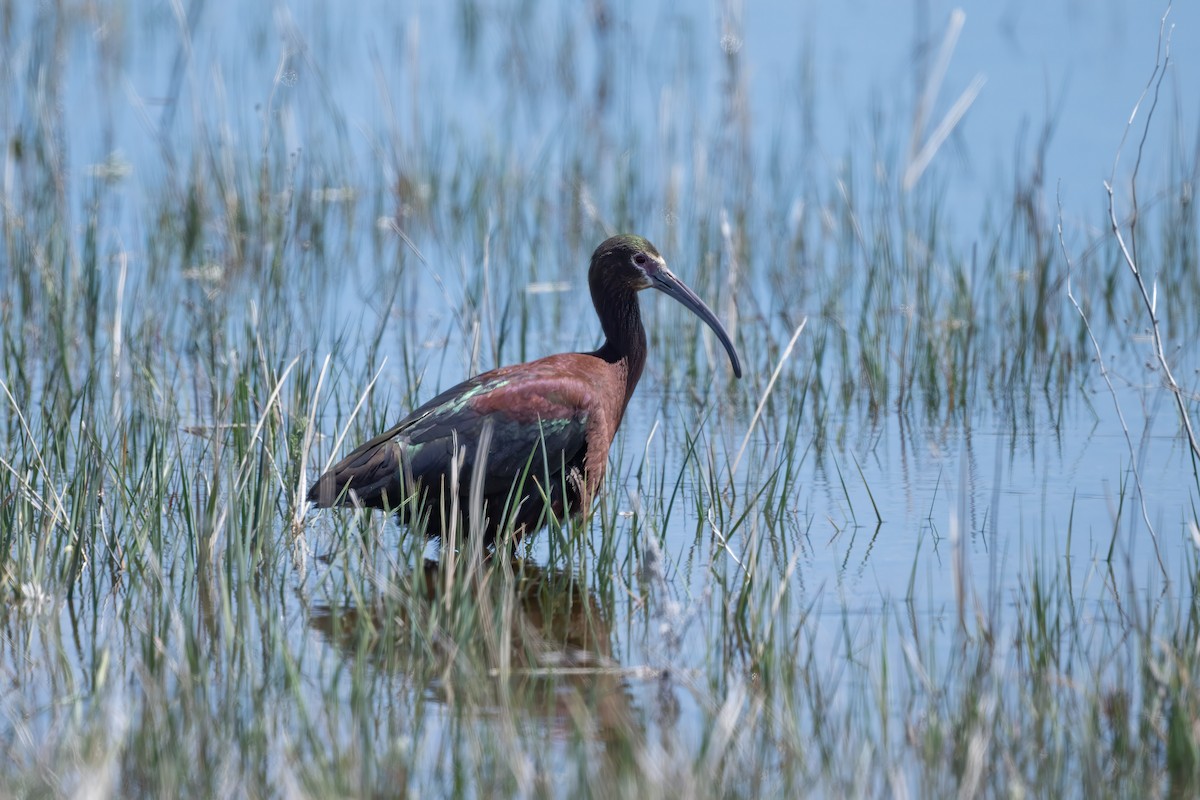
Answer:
(755, 607)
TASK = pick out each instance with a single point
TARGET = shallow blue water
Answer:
(355, 96)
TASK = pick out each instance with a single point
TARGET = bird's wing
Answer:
(538, 415)
(538, 424)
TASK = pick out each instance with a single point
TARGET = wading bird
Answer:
(547, 424)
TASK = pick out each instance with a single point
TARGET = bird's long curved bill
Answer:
(665, 281)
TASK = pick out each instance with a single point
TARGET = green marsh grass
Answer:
(752, 609)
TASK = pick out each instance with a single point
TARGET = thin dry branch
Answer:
(1129, 247)
(1137, 477)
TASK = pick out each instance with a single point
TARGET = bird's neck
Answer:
(624, 337)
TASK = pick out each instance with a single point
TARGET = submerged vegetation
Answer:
(896, 559)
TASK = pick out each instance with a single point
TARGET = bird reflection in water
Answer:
(527, 639)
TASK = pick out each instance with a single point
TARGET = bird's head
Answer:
(627, 261)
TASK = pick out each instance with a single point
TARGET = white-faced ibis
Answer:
(551, 420)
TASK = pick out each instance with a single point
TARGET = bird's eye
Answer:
(640, 259)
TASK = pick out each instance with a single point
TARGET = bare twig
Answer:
(762, 402)
(362, 398)
(921, 155)
(1137, 478)
(1128, 247)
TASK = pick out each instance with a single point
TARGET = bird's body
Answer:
(548, 423)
